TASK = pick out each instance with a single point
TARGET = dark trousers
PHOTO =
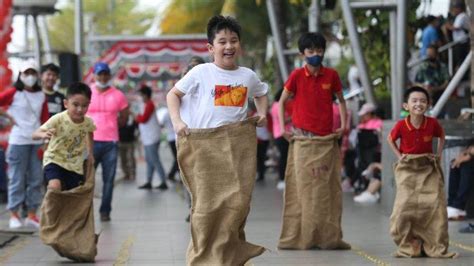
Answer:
(461, 182)
(174, 168)
(262, 147)
(282, 146)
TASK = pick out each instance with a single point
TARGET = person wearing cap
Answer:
(108, 108)
(49, 77)
(27, 105)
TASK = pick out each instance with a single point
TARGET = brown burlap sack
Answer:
(218, 168)
(67, 221)
(419, 220)
(313, 197)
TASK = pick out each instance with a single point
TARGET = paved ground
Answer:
(148, 228)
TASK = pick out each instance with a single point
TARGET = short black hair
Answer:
(218, 23)
(413, 89)
(51, 67)
(311, 40)
(145, 90)
(78, 88)
(430, 19)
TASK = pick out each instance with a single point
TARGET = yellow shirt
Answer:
(66, 148)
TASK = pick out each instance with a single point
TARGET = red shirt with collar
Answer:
(312, 107)
(416, 140)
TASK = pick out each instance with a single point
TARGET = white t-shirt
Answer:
(215, 96)
(462, 22)
(165, 121)
(354, 78)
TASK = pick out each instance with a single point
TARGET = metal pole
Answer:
(357, 50)
(26, 33)
(45, 37)
(401, 52)
(37, 48)
(450, 61)
(277, 40)
(78, 27)
(314, 16)
(396, 104)
(452, 85)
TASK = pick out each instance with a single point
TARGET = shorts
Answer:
(69, 179)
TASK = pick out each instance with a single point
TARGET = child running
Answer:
(217, 147)
(67, 222)
(419, 223)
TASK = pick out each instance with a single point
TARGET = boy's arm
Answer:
(342, 112)
(42, 133)
(261, 103)
(441, 141)
(281, 113)
(173, 99)
(90, 147)
(394, 147)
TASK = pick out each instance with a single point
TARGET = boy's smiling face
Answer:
(416, 104)
(225, 49)
(77, 106)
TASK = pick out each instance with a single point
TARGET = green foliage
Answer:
(107, 18)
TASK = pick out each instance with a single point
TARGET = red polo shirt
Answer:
(312, 107)
(416, 141)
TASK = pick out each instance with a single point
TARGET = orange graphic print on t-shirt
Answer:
(227, 95)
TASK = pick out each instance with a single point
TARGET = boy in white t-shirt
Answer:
(216, 95)
(220, 88)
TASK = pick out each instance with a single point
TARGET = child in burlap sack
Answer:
(217, 148)
(419, 224)
(313, 199)
(69, 229)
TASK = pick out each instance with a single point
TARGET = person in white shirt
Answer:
(460, 29)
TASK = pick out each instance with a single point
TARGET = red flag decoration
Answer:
(5, 37)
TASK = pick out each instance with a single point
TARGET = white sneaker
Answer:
(281, 185)
(454, 213)
(366, 197)
(32, 223)
(14, 223)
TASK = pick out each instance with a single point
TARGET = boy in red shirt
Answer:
(418, 223)
(313, 198)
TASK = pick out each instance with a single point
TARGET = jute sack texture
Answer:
(67, 220)
(419, 218)
(218, 168)
(313, 197)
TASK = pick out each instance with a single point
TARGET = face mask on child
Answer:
(315, 60)
(28, 80)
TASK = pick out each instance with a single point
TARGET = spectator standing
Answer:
(165, 121)
(127, 138)
(28, 106)
(108, 108)
(461, 183)
(460, 29)
(430, 35)
(150, 135)
(49, 77)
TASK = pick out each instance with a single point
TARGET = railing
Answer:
(449, 47)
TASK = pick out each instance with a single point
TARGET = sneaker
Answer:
(346, 186)
(14, 223)
(366, 197)
(32, 222)
(163, 186)
(145, 186)
(104, 217)
(469, 229)
(455, 214)
(281, 185)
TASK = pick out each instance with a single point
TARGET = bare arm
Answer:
(441, 140)
(342, 113)
(281, 112)
(261, 103)
(45, 134)
(394, 147)
(173, 99)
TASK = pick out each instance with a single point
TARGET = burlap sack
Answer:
(313, 197)
(67, 221)
(218, 168)
(419, 219)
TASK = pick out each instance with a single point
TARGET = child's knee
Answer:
(54, 184)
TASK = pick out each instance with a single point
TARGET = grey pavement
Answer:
(148, 228)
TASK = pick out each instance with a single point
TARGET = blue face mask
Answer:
(315, 60)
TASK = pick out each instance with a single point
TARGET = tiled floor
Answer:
(148, 228)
